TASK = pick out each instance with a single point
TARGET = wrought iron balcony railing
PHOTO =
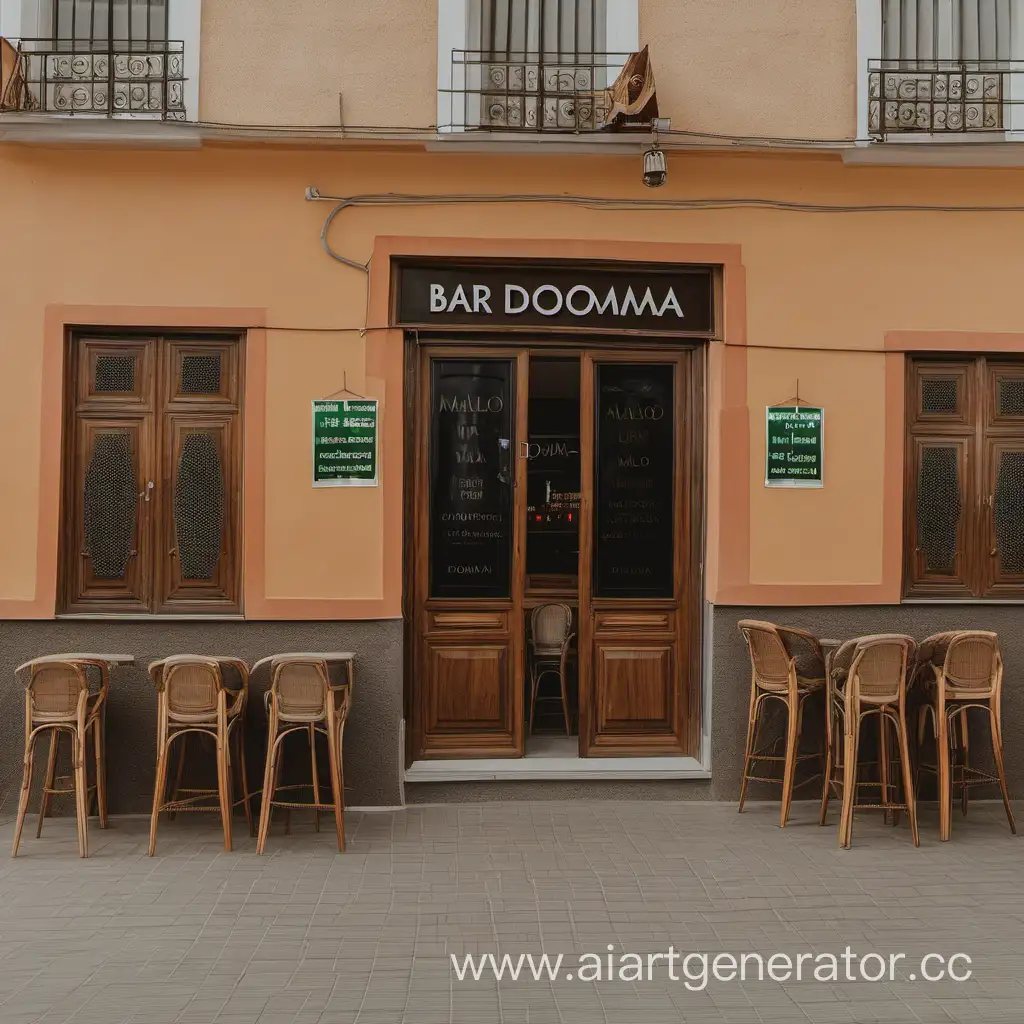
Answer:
(943, 96)
(530, 92)
(123, 78)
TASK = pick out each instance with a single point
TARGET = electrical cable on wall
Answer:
(608, 203)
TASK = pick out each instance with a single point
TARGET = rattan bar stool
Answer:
(868, 679)
(58, 702)
(786, 666)
(302, 699)
(963, 671)
(192, 699)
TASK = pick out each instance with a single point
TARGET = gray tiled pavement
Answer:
(304, 936)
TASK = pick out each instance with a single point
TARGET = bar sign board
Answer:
(795, 446)
(345, 443)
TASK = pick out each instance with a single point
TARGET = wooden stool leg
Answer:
(224, 778)
(899, 777)
(82, 790)
(752, 714)
(269, 784)
(565, 702)
(883, 765)
(945, 781)
(244, 778)
(48, 781)
(26, 787)
(100, 752)
(337, 779)
(851, 734)
(826, 793)
(966, 763)
(923, 714)
(534, 681)
(792, 742)
(997, 754)
(316, 778)
(909, 796)
(160, 786)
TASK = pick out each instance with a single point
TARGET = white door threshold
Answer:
(499, 769)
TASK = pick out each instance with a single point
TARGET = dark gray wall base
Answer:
(371, 737)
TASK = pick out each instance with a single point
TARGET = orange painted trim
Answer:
(971, 342)
(57, 320)
(737, 589)
(384, 359)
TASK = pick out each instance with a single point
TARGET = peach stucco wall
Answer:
(271, 63)
(773, 68)
(229, 229)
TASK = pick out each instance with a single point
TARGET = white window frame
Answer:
(30, 19)
(869, 47)
(622, 36)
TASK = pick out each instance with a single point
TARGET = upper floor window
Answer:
(940, 66)
(112, 58)
(965, 478)
(129, 24)
(540, 30)
(946, 30)
(541, 65)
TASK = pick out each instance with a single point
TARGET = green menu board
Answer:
(345, 443)
(795, 446)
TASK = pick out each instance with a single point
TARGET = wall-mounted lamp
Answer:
(655, 164)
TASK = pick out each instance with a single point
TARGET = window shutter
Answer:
(1003, 506)
(940, 514)
(199, 512)
(107, 549)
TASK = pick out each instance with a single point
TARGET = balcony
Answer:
(127, 78)
(533, 93)
(942, 97)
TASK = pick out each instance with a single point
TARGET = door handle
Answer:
(147, 490)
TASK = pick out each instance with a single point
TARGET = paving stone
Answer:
(305, 936)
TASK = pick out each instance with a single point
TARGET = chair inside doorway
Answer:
(552, 556)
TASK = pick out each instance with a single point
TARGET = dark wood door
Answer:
(639, 554)
(469, 522)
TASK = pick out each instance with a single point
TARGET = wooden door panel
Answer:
(468, 575)
(468, 689)
(639, 594)
(110, 514)
(199, 513)
(634, 690)
(940, 515)
(1003, 507)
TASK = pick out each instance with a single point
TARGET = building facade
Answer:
(225, 220)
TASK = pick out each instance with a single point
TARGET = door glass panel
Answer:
(472, 416)
(553, 473)
(634, 471)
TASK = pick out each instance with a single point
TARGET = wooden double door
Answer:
(569, 475)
